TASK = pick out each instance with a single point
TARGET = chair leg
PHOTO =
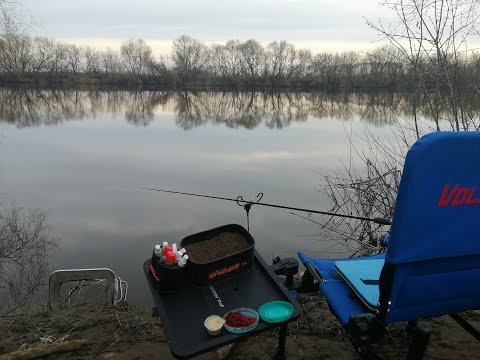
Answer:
(419, 340)
(411, 325)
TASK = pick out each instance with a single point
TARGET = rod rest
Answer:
(287, 267)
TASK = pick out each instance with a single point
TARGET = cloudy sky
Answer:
(316, 24)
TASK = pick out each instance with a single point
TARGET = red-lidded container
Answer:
(170, 258)
(217, 270)
(166, 249)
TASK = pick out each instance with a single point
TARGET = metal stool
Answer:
(83, 286)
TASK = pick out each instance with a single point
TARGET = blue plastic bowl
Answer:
(246, 312)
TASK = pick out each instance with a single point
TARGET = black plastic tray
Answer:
(183, 313)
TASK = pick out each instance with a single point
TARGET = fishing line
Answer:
(247, 204)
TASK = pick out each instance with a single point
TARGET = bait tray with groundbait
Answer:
(209, 271)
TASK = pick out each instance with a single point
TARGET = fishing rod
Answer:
(246, 204)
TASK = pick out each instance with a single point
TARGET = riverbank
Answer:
(131, 333)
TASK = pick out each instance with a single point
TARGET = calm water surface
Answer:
(77, 153)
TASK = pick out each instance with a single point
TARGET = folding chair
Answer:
(432, 264)
(85, 286)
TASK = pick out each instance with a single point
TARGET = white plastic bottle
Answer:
(183, 261)
(157, 251)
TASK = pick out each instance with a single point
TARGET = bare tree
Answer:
(111, 62)
(15, 55)
(74, 58)
(227, 62)
(253, 60)
(59, 62)
(386, 68)
(437, 32)
(26, 247)
(92, 61)
(281, 62)
(137, 56)
(42, 55)
(158, 67)
(190, 57)
(302, 68)
(15, 41)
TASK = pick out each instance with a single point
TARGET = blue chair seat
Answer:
(326, 267)
(341, 300)
(340, 297)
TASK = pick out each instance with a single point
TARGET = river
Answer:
(79, 153)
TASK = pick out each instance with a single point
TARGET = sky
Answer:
(320, 25)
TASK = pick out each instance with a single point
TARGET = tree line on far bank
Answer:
(192, 63)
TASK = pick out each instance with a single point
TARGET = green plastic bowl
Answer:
(276, 311)
(241, 330)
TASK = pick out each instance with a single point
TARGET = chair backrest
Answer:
(432, 265)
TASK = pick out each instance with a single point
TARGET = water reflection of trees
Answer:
(248, 110)
(235, 110)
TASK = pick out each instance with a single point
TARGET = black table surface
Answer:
(184, 312)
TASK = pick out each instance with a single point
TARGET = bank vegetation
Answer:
(247, 65)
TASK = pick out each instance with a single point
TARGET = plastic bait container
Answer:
(217, 270)
(214, 324)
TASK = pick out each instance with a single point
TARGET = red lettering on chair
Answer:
(469, 200)
(444, 199)
(460, 197)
